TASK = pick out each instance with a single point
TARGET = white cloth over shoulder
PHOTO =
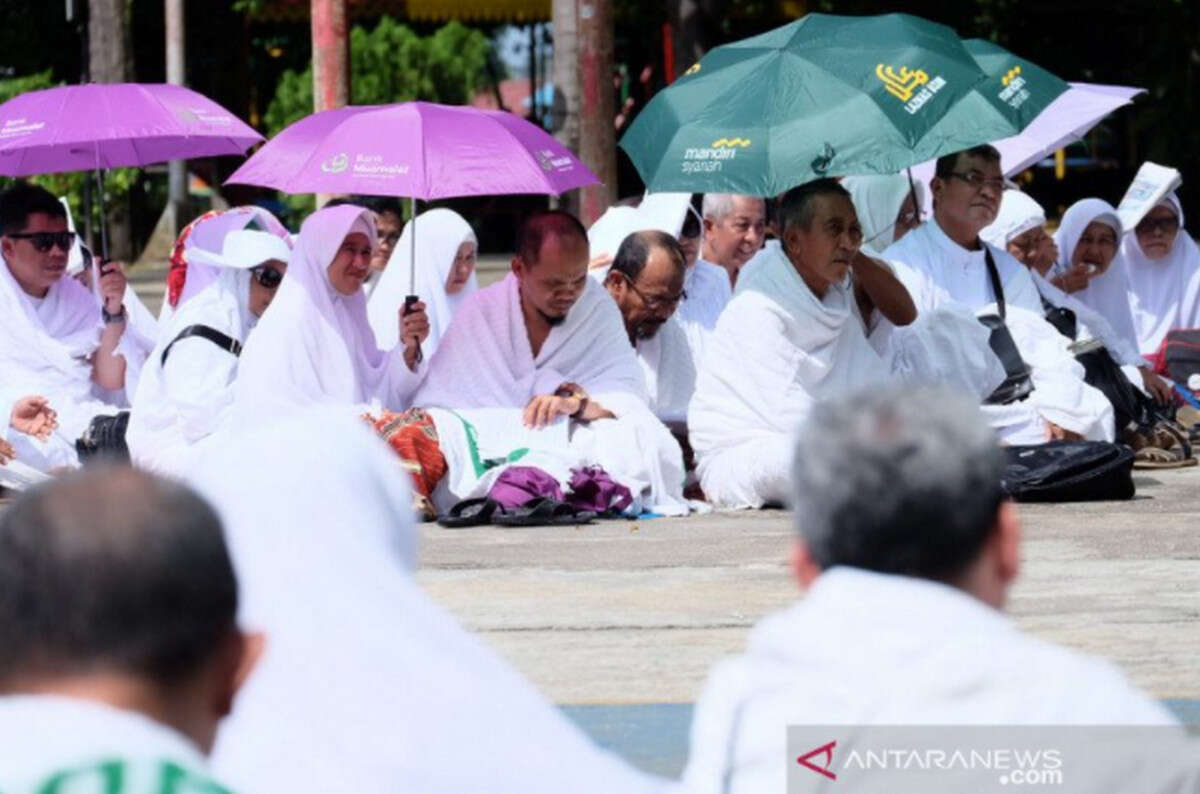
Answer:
(45, 348)
(365, 684)
(439, 234)
(1164, 293)
(315, 345)
(49, 736)
(708, 292)
(877, 200)
(1108, 293)
(777, 349)
(938, 656)
(184, 403)
(486, 361)
(670, 371)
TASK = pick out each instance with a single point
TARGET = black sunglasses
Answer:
(268, 277)
(44, 241)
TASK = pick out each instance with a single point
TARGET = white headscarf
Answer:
(1019, 213)
(365, 684)
(877, 200)
(1108, 293)
(1164, 294)
(161, 430)
(315, 345)
(439, 234)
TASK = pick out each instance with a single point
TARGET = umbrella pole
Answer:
(411, 298)
(912, 190)
(103, 215)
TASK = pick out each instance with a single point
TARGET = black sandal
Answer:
(543, 512)
(470, 513)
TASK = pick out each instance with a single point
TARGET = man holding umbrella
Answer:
(55, 342)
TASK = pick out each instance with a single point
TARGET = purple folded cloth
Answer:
(516, 485)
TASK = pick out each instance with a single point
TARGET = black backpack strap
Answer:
(223, 341)
(994, 276)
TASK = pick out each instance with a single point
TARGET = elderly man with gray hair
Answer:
(907, 549)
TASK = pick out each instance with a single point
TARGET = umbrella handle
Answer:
(409, 302)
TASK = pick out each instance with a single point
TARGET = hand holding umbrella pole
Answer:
(411, 299)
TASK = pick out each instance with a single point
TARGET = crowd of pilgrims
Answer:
(673, 348)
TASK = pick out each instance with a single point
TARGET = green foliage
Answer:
(117, 182)
(392, 64)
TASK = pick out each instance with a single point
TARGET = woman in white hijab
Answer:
(888, 207)
(316, 345)
(1089, 240)
(187, 386)
(1019, 228)
(445, 276)
(1163, 264)
(364, 684)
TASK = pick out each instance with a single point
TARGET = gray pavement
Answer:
(636, 612)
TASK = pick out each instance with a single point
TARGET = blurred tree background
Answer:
(257, 63)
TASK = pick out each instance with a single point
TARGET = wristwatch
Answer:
(119, 317)
(576, 391)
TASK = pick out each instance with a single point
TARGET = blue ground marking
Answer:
(654, 736)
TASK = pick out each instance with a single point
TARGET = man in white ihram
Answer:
(906, 549)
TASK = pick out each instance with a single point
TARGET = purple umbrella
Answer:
(420, 150)
(110, 125)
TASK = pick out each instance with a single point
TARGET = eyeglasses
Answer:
(267, 277)
(658, 302)
(1165, 225)
(44, 241)
(979, 181)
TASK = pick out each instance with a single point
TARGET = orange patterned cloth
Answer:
(413, 436)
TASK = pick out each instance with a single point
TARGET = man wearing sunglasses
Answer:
(53, 339)
(953, 264)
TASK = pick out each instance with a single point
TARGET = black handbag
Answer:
(104, 439)
(1018, 382)
(1068, 471)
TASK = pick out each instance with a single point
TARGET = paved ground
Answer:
(622, 612)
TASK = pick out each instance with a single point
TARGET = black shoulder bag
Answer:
(223, 341)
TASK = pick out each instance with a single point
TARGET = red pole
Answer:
(668, 37)
(597, 134)
(331, 63)
(330, 59)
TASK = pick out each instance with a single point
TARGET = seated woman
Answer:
(445, 276)
(186, 388)
(1163, 264)
(1019, 229)
(316, 346)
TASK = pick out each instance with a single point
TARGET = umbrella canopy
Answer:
(416, 149)
(112, 125)
(1066, 120)
(822, 96)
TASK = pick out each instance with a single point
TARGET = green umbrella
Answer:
(822, 96)
(1014, 92)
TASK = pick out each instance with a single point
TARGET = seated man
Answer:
(121, 652)
(791, 336)
(549, 342)
(646, 280)
(906, 549)
(56, 341)
(947, 262)
(733, 231)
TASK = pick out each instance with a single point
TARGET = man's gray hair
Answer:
(897, 480)
(717, 205)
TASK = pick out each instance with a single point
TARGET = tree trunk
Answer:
(597, 135)
(110, 60)
(566, 80)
